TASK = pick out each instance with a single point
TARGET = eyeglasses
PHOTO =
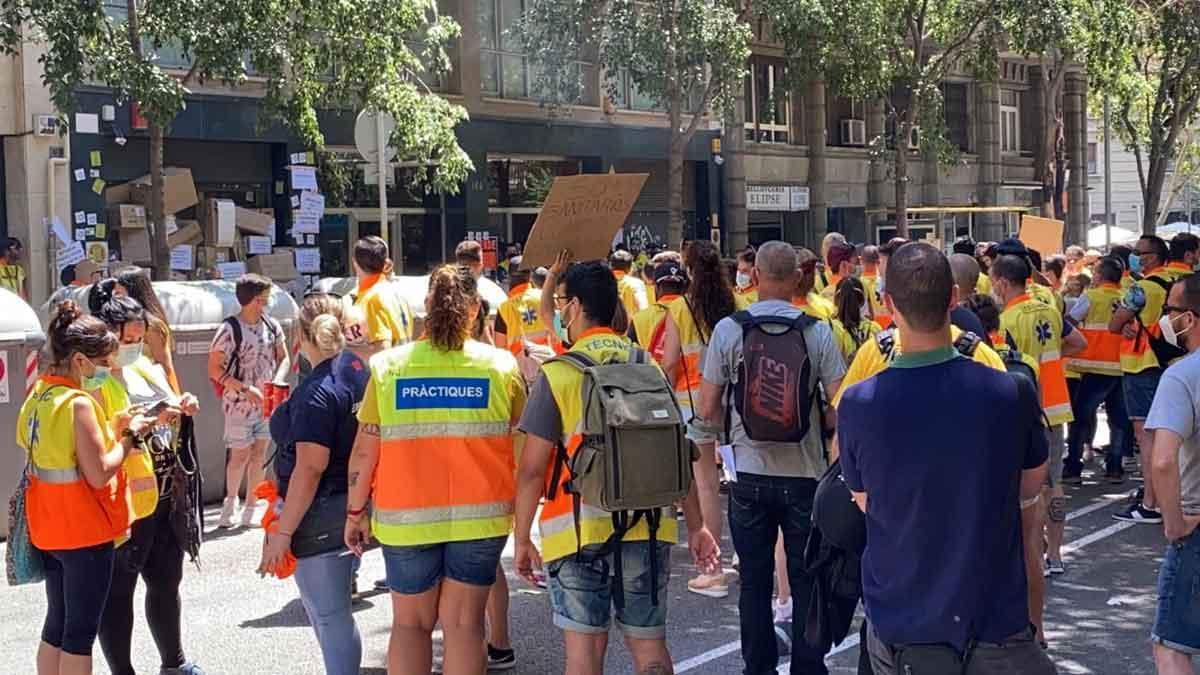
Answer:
(563, 298)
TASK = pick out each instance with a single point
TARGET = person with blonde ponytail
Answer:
(434, 458)
(314, 431)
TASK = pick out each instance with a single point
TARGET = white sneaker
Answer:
(248, 510)
(783, 610)
(226, 520)
(709, 585)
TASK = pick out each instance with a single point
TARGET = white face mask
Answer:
(127, 355)
(1168, 330)
(743, 280)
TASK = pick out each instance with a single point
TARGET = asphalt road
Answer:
(1098, 616)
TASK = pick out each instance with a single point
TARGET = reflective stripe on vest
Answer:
(557, 521)
(63, 511)
(646, 321)
(1136, 354)
(1036, 329)
(521, 320)
(1102, 356)
(446, 468)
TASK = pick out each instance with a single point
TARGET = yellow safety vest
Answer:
(983, 285)
(1136, 354)
(693, 344)
(815, 306)
(743, 298)
(446, 464)
(520, 314)
(386, 313)
(1103, 353)
(557, 524)
(646, 322)
(1036, 329)
(632, 291)
(870, 282)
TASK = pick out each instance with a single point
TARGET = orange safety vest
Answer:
(1176, 271)
(1036, 329)
(1136, 354)
(1102, 356)
(446, 467)
(63, 511)
(692, 342)
(521, 322)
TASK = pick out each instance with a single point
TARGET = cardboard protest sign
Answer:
(582, 213)
(1043, 235)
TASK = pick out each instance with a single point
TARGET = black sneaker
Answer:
(1139, 514)
(501, 659)
(382, 585)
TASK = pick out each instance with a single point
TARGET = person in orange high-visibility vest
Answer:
(870, 279)
(77, 500)
(1037, 329)
(688, 327)
(1136, 320)
(434, 459)
(1183, 253)
(581, 586)
(647, 327)
(1099, 367)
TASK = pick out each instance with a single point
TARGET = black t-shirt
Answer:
(321, 410)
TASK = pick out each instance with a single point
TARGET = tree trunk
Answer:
(159, 254)
(901, 162)
(675, 178)
(1154, 190)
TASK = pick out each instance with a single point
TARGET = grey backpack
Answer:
(634, 459)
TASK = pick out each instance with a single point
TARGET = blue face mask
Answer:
(559, 329)
(96, 379)
(1135, 263)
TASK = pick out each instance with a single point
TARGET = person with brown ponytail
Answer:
(77, 495)
(434, 458)
(851, 327)
(688, 327)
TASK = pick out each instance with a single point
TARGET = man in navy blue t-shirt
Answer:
(940, 451)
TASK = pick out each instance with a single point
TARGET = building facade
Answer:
(805, 166)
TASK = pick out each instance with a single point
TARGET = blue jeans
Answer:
(412, 570)
(324, 581)
(1177, 622)
(759, 507)
(1090, 391)
(581, 592)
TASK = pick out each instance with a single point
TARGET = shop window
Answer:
(1010, 122)
(505, 72)
(769, 104)
(629, 97)
(524, 183)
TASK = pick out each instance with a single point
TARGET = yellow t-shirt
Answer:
(870, 361)
(984, 285)
(12, 277)
(633, 293)
(849, 341)
(385, 314)
(816, 306)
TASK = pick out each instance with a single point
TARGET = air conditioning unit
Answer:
(854, 132)
(914, 138)
(45, 125)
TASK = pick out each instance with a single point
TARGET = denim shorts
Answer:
(1177, 622)
(242, 432)
(1139, 391)
(581, 593)
(415, 569)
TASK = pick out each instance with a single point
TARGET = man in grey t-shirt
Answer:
(775, 482)
(1175, 420)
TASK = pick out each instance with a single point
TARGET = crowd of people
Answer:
(798, 395)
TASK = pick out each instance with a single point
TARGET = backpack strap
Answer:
(233, 367)
(967, 343)
(1166, 285)
(577, 360)
(886, 341)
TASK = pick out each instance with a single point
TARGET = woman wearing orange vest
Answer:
(77, 500)
(689, 324)
(434, 458)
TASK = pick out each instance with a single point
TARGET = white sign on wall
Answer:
(776, 197)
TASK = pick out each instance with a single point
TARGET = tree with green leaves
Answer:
(895, 51)
(1153, 83)
(307, 56)
(689, 56)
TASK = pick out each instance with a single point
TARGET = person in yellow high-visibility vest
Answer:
(745, 291)
(1136, 320)
(1038, 329)
(581, 587)
(434, 458)
(646, 327)
(1100, 369)
(631, 288)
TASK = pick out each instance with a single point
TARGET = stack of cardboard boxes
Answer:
(223, 240)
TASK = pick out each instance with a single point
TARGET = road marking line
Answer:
(1077, 587)
(1097, 536)
(852, 641)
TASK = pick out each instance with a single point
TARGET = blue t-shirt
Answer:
(321, 410)
(938, 443)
